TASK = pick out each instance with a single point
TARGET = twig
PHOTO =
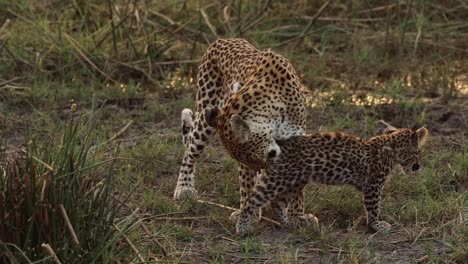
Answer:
(181, 218)
(136, 68)
(122, 20)
(168, 19)
(38, 160)
(121, 131)
(229, 239)
(234, 209)
(337, 19)
(207, 21)
(75, 45)
(182, 26)
(69, 225)
(399, 241)
(45, 184)
(429, 42)
(147, 231)
(163, 250)
(261, 15)
(114, 41)
(418, 236)
(226, 17)
(305, 31)
(135, 249)
(178, 62)
(3, 45)
(463, 4)
(5, 25)
(50, 252)
(312, 21)
(379, 8)
(422, 259)
(219, 205)
(419, 33)
(258, 20)
(5, 82)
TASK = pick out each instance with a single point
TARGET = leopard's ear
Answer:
(240, 128)
(422, 136)
(211, 114)
(385, 128)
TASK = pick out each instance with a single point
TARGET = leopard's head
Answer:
(245, 140)
(407, 144)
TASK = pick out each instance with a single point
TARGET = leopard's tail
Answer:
(186, 124)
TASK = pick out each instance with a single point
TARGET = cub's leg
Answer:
(266, 190)
(247, 179)
(280, 208)
(296, 210)
(372, 196)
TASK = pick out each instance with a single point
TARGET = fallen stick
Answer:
(116, 135)
(135, 249)
(147, 231)
(235, 209)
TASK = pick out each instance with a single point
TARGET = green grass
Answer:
(61, 195)
(359, 61)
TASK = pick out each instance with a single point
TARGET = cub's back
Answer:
(329, 158)
(322, 142)
(326, 154)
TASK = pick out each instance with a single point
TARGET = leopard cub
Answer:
(333, 158)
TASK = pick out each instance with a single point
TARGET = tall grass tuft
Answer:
(56, 200)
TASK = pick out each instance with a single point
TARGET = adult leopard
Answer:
(236, 80)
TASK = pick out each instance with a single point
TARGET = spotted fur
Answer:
(236, 83)
(334, 158)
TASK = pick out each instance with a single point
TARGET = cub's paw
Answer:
(235, 216)
(305, 220)
(182, 192)
(380, 226)
(243, 226)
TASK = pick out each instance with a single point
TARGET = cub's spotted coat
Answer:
(333, 158)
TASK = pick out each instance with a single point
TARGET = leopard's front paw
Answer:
(380, 226)
(182, 192)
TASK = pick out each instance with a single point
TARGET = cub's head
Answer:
(407, 144)
(247, 141)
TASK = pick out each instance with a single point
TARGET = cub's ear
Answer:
(240, 128)
(422, 136)
(211, 114)
(385, 128)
